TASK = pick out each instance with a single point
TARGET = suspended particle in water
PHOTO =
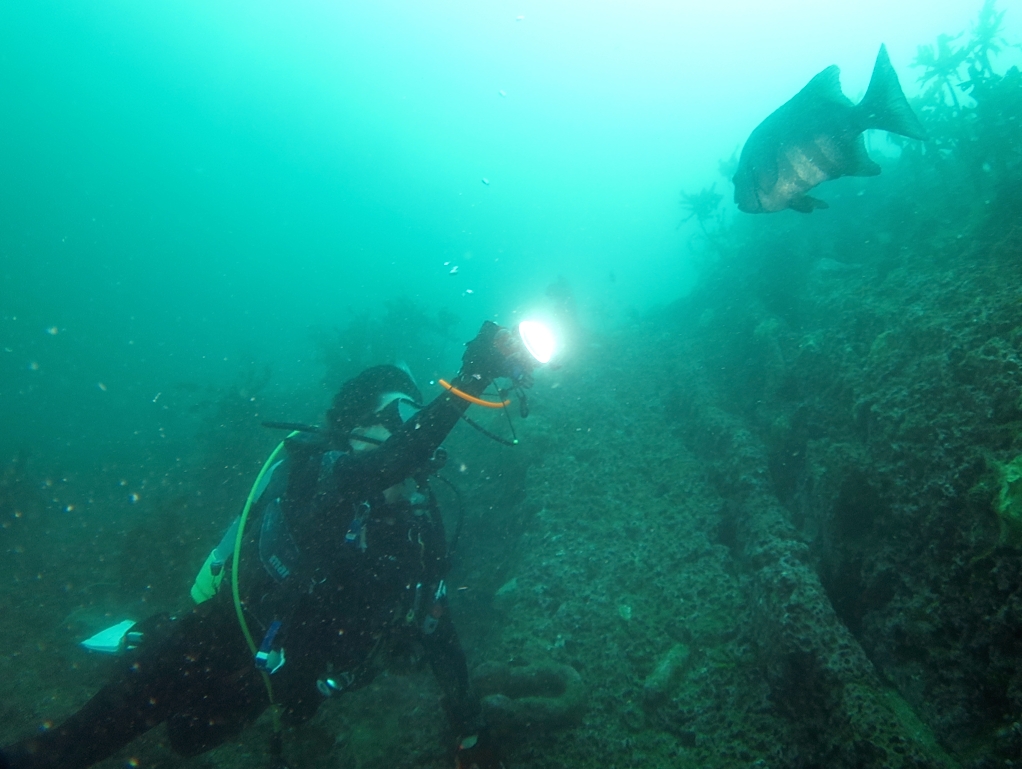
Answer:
(101, 386)
(33, 366)
(133, 497)
(486, 181)
(503, 93)
(454, 270)
(53, 331)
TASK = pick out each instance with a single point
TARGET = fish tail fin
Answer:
(884, 106)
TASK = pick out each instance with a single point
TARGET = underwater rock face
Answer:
(1008, 504)
(864, 426)
(818, 672)
(542, 695)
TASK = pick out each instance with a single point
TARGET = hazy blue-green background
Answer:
(190, 187)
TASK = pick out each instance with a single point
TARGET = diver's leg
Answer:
(179, 662)
(446, 657)
(127, 706)
(229, 707)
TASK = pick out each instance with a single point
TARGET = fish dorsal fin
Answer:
(826, 85)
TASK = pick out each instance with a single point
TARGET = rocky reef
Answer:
(774, 524)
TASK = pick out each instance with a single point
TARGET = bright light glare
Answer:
(538, 339)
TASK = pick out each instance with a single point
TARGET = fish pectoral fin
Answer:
(865, 168)
(806, 204)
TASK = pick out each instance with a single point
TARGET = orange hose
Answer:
(471, 398)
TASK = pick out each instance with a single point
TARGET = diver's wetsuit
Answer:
(341, 568)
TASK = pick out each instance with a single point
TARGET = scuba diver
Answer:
(345, 555)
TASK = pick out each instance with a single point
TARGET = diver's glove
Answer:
(478, 751)
(494, 353)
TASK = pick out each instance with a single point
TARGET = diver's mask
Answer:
(395, 409)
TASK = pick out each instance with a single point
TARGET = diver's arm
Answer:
(408, 448)
(488, 356)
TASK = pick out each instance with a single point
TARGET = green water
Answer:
(212, 213)
(192, 183)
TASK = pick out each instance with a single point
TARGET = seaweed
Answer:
(970, 110)
(230, 440)
(941, 64)
(405, 332)
(17, 493)
(159, 554)
(986, 37)
(701, 205)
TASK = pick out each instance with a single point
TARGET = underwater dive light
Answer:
(538, 340)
